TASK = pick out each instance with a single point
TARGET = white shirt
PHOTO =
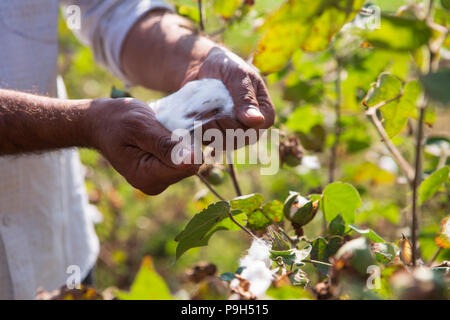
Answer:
(46, 222)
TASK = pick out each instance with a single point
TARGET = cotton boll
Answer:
(259, 251)
(200, 100)
(256, 268)
(259, 276)
(298, 203)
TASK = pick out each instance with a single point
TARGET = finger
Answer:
(265, 104)
(168, 148)
(158, 176)
(246, 106)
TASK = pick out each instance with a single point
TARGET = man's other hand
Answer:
(252, 105)
(137, 145)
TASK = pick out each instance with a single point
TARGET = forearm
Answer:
(32, 123)
(161, 49)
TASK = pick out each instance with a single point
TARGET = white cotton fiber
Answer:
(257, 267)
(195, 99)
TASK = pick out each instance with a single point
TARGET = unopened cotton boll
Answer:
(298, 203)
(200, 100)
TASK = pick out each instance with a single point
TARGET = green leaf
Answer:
(148, 285)
(226, 8)
(204, 224)
(368, 233)
(258, 215)
(305, 24)
(337, 226)
(304, 118)
(274, 210)
(287, 257)
(445, 4)
(432, 184)
(297, 90)
(396, 113)
(436, 85)
(256, 220)
(314, 140)
(189, 11)
(387, 87)
(384, 252)
(399, 33)
(320, 252)
(247, 203)
(227, 276)
(341, 198)
(261, 218)
(117, 93)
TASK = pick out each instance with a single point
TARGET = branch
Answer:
(401, 162)
(235, 181)
(232, 173)
(241, 226)
(210, 187)
(417, 177)
(337, 125)
(418, 156)
(318, 262)
(435, 255)
(200, 12)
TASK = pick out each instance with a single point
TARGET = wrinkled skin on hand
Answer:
(137, 145)
(252, 105)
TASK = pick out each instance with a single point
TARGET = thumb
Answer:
(249, 115)
(168, 148)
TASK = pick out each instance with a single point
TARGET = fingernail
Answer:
(253, 113)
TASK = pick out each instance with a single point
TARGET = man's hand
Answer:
(124, 130)
(162, 52)
(252, 105)
(137, 145)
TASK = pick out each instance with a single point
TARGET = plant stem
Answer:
(436, 253)
(235, 181)
(401, 162)
(417, 178)
(337, 126)
(200, 12)
(210, 187)
(232, 173)
(318, 262)
(241, 226)
(418, 156)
